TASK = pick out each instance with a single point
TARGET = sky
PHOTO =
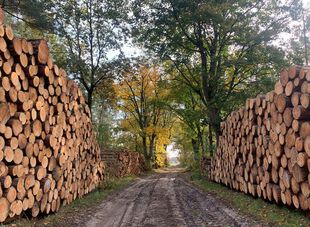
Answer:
(172, 154)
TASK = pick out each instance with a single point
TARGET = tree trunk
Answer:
(90, 98)
(200, 139)
(151, 147)
(144, 145)
(305, 37)
(204, 72)
(195, 146)
(215, 122)
(210, 139)
(136, 143)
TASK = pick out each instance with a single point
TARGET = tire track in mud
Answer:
(164, 199)
(206, 210)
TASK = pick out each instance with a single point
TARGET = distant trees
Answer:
(142, 94)
(188, 108)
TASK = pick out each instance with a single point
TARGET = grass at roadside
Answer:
(259, 209)
(69, 211)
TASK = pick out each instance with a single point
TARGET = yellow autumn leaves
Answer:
(141, 94)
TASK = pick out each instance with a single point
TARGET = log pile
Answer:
(48, 151)
(121, 163)
(264, 147)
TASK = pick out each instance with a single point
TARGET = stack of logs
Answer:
(48, 151)
(264, 148)
(205, 164)
(121, 163)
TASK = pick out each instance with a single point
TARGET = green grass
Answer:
(91, 199)
(257, 208)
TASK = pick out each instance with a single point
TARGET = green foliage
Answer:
(32, 12)
(90, 29)
(103, 114)
(104, 134)
(128, 140)
(218, 48)
(187, 159)
(191, 130)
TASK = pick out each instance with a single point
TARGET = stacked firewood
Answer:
(121, 163)
(48, 151)
(264, 147)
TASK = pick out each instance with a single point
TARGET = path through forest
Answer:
(162, 199)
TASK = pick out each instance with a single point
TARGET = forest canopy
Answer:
(158, 73)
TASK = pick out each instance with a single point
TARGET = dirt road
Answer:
(164, 199)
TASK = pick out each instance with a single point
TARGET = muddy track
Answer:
(165, 199)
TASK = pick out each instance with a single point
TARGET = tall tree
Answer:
(141, 94)
(104, 111)
(92, 30)
(226, 43)
(300, 30)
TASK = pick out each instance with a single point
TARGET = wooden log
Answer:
(9, 35)
(284, 78)
(300, 113)
(299, 173)
(282, 102)
(4, 209)
(287, 117)
(278, 88)
(37, 128)
(16, 207)
(295, 99)
(305, 189)
(303, 202)
(6, 181)
(304, 129)
(295, 201)
(10, 194)
(40, 48)
(4, 113)
(35, 209)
